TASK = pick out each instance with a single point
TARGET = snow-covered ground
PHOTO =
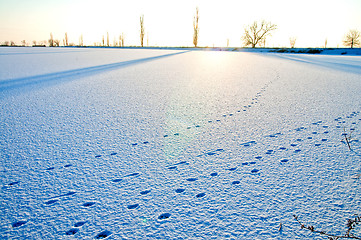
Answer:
(172, 144)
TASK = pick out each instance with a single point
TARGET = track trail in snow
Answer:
(317, 133)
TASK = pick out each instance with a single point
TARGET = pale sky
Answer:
(170, 22)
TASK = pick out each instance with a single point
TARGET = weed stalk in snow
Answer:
(351, 224)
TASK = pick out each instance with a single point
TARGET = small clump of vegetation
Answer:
(351, 224)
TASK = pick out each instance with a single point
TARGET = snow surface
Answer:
(166, 144)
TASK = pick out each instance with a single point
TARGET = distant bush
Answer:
(313, 51)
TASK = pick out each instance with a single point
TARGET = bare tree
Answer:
(121, 40)
(103, 40)
(56, 43)
(196, 28)
(142, 33)
(292, 42)
(257, 32)
(352, 38)
(81, 40)
(51, 40)
(326, 43)
(108, 39)
(66, 43)
(12, 43)
(23, 43)
(34, 43)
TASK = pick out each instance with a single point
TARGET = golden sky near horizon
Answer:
(170, 23)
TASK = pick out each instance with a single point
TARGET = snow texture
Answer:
(174, 144)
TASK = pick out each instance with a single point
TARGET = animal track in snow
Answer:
(133, 206)
(214, 174)
(236, 182)
(72, 231)
(231, 169)
(200, 195)
(145, 192)
(164, 216)
(103, 234)
(18, 224)
(132, 175)
(117, 180)
(88, 204)
(14, 183)
(179, 190)
(51, 201)
(191, 179)
(79, 224)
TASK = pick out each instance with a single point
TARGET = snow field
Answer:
(199, 145)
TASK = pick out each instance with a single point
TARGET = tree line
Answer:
(254, 35)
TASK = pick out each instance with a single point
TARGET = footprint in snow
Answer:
(68, 165)
(50, 168)
(88, 204)
(132, 175)
(113, 153)
(51, 201)
(117, 180)
(145, 192)
(103, 234)
(236, 182)
(192, 179)
(179, 190)
(164, 216)
(284, 160)
(18, 224)
(232, 169)
(258, 157)
(98, 156)
(133, 206)
(172, 167)
(72, 231)
(254, 170)
(214, 174)
(79, 224)
(200, 195)
(14, 183)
